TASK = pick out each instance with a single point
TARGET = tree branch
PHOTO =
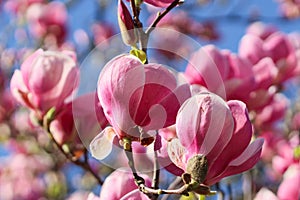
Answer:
(161, 15)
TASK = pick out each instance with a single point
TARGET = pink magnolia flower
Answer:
(48, 20)
(208, 126)
(276, 46)
(138, 98)
(221, 72)
(46, 79)
(290, 8)
(128, 33)
(120, 185)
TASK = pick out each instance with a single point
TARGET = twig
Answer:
(172, 186)
(161, 15)
(156, 172)
(140, 182)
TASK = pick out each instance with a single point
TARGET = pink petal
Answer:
(251, 47)
(102, 145)
(208, 67)
(116, 84)
(279, 46)
(26, 67)
(161, 147)
(240, 139)
(177, 153)
(289, 188)
(244, 162)
(265, 73)
(19, 89)
(261, 30)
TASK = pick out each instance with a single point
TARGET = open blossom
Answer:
(46, 79)
(138, 98)
(208, 127)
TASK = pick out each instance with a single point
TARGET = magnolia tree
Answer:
(159, 117)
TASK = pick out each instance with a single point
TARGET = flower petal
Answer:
(240, 139)
(102, 144)
(244, 162)
(176, 153)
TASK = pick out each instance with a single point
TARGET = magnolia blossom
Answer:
(216, 134)
(46, 79)
(221, 72)
(275, 45)
(138, 98)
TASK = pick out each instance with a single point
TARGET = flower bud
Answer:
(126, 25)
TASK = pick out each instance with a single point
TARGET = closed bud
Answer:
(126, 25)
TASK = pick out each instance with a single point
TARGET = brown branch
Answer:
(161, 15)
(156, 172)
